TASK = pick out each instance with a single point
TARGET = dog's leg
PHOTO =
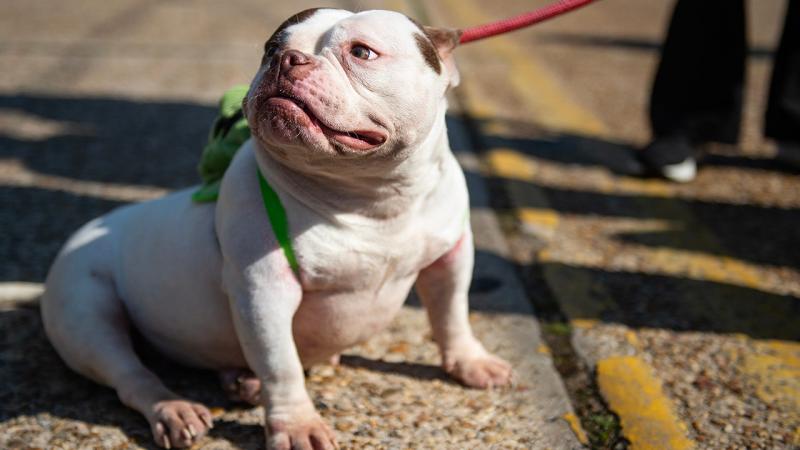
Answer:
(264, 298)
(443, 288)
(86, 323)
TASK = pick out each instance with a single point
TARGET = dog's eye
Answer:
(269, 52)
(362, 52)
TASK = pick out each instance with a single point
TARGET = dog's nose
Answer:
(292, 58)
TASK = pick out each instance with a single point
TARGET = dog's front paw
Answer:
(307, 433)
(484, 371)
(179, 423)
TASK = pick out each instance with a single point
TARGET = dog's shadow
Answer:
(417, 371)
(35, 382)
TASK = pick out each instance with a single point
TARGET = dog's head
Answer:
(335, 84)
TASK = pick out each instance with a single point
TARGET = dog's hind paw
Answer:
(241, 385)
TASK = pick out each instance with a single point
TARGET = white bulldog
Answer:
(347, 114)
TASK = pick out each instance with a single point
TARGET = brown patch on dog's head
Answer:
(428, 52)
(437, 45)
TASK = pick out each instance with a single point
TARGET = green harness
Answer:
(227, 135)
(278, 220)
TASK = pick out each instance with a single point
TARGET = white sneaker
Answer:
(671, 157)
(683, 172)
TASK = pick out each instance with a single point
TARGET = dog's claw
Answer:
(288, 435)
(179, 423)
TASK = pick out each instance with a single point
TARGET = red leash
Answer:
(521, 21)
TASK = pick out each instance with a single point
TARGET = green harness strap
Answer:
(278, 220)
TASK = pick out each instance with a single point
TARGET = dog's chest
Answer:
(353, 286)
(365, 256)
(366, 261)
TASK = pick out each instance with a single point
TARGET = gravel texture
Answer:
(388, 393)
(717, 396)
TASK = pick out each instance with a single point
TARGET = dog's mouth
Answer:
(361, 140)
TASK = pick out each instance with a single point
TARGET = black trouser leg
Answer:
(697, 90)
(783, 109)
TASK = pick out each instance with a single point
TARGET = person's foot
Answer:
(670, 157)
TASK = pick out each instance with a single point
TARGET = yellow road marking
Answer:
(647, 416)
(576, 427)
(701, 266)
(671, 261)
(539, 216)
(539, 221)
(514, 165)
(584, 324)
(775, 369)
(648, 187)
(510, 164)
(686, 264)
(543, 349)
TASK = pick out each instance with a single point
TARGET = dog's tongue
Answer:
(359, 140)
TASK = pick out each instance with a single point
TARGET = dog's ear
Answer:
(446, 40)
